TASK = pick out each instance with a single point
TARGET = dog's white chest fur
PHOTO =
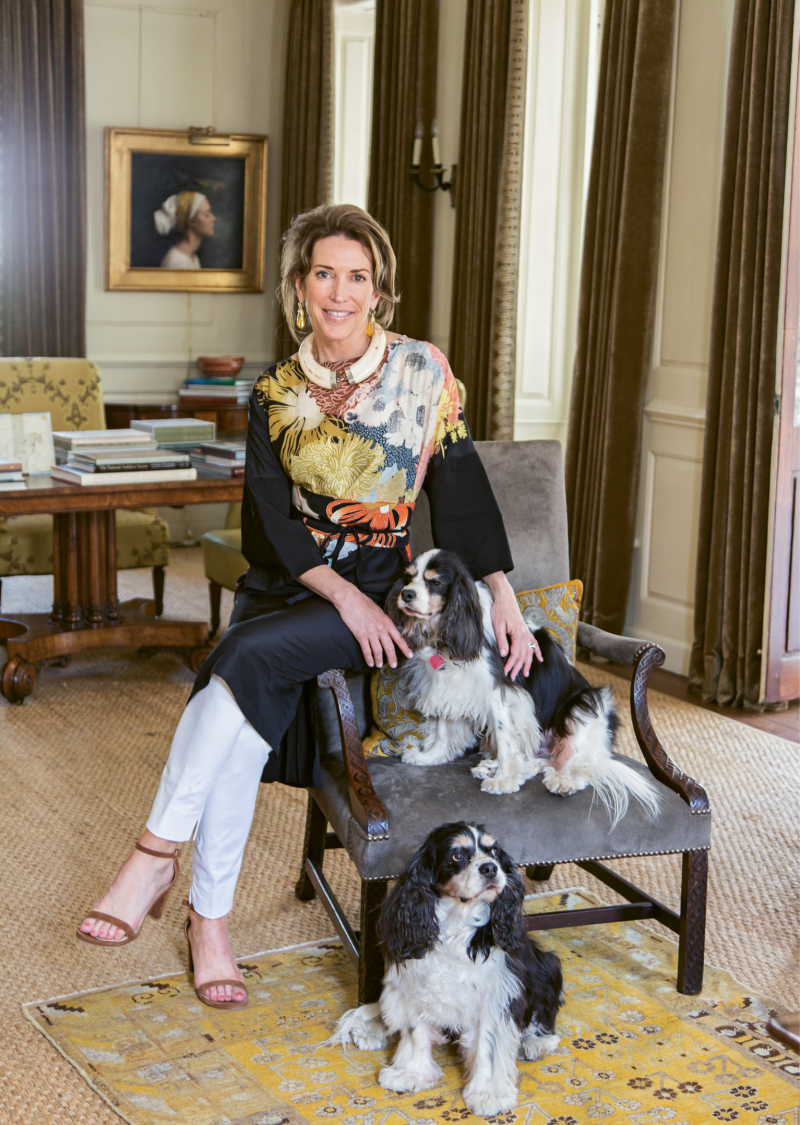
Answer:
(446, 989)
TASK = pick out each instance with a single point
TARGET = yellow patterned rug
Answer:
(632, 1049)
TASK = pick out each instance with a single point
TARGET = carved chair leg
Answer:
(215, 598)
(692, 933)
(370, 962)
(540, 872)
(158, 589)
(313, 849)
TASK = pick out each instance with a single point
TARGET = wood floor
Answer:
(784, 724)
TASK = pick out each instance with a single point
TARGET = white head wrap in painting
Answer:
(168, 217)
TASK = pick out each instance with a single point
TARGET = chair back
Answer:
(528, 482)
(68, 388)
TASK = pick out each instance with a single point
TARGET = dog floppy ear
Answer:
(461, 625)
(407, 926)
(391, 607)
(508, 929)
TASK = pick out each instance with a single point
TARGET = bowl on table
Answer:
(220, 364)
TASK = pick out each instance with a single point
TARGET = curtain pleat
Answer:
(403, 94)
(42, 178)
(308, 120)
(617, 301)
(737, 456)
(489, 193)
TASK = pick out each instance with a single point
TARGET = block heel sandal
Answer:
(154, 910)
(200, 992)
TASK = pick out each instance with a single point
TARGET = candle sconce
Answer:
(441, 183)
(438, 168)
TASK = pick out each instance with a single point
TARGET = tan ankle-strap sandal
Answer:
(155, 909)
(200, 992)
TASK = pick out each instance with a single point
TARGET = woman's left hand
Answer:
(509, 626)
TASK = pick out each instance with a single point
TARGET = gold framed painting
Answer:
(185, 211)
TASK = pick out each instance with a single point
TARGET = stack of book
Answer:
(10, 475)
(220, 458)
(177, 434)
(116, 457)
(223, 390)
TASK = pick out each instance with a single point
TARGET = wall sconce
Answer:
(438, 169)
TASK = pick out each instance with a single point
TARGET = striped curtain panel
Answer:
(489, 194)
(42, 178)
(308, 122)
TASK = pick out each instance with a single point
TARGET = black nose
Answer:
(489, 870)
(408, 594)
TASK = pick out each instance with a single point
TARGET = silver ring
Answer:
(531, 644)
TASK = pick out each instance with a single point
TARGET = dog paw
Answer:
(486, 1103)
(537, 1046)
(408, 1082)
(372, 1038)
(502, 784)
(563, 786)
(486, 768)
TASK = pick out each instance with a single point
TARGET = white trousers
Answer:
(209, 786)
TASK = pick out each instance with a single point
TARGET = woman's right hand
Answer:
(373, 629)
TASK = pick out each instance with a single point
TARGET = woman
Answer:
(189, 213)
(341, 437)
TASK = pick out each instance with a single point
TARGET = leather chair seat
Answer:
(223, 560)
(420, 798)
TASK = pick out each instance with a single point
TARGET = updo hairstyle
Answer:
(348, 221)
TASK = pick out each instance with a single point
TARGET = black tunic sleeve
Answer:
(278, 546)
(465, 517)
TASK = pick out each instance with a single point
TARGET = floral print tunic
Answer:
(329, 474)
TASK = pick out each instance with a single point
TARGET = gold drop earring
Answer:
(371, 323)
(301, 317)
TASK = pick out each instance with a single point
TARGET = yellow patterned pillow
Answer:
(398, 726)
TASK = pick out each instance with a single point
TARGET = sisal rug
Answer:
(80, 762)
(632, 1048)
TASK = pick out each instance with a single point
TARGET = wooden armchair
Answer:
(70, 390)
(380, 810)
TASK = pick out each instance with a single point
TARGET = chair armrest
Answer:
(365, 804)
(644, 656)
(658, 760)
(621, 650)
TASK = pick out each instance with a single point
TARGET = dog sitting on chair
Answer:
(554, 722)
(459, 963)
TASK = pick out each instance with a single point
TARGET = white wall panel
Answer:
(171, 64)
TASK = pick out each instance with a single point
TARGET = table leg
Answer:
(72, 613)
(97, 568)
(112, 599)
(84, 551)
(57, 595)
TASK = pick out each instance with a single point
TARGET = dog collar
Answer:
(437, 662)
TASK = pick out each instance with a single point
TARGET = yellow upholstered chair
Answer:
(223, 560)
(70, 390)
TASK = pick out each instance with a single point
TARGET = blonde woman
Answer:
(341, 438)
(189, 215)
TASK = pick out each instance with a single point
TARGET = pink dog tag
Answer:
(438, 662)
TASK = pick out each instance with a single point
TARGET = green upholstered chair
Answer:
(223, 560)
(70, 390)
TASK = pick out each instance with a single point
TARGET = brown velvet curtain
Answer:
(307, 163)
(734, 514)
(42, 178)
(489, 192)
(403, 93)
(617, 301)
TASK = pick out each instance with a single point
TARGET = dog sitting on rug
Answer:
(459, 963)
(554, 722)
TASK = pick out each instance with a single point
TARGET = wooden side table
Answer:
(86, 611)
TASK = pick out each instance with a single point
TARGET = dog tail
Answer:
(586, 727)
